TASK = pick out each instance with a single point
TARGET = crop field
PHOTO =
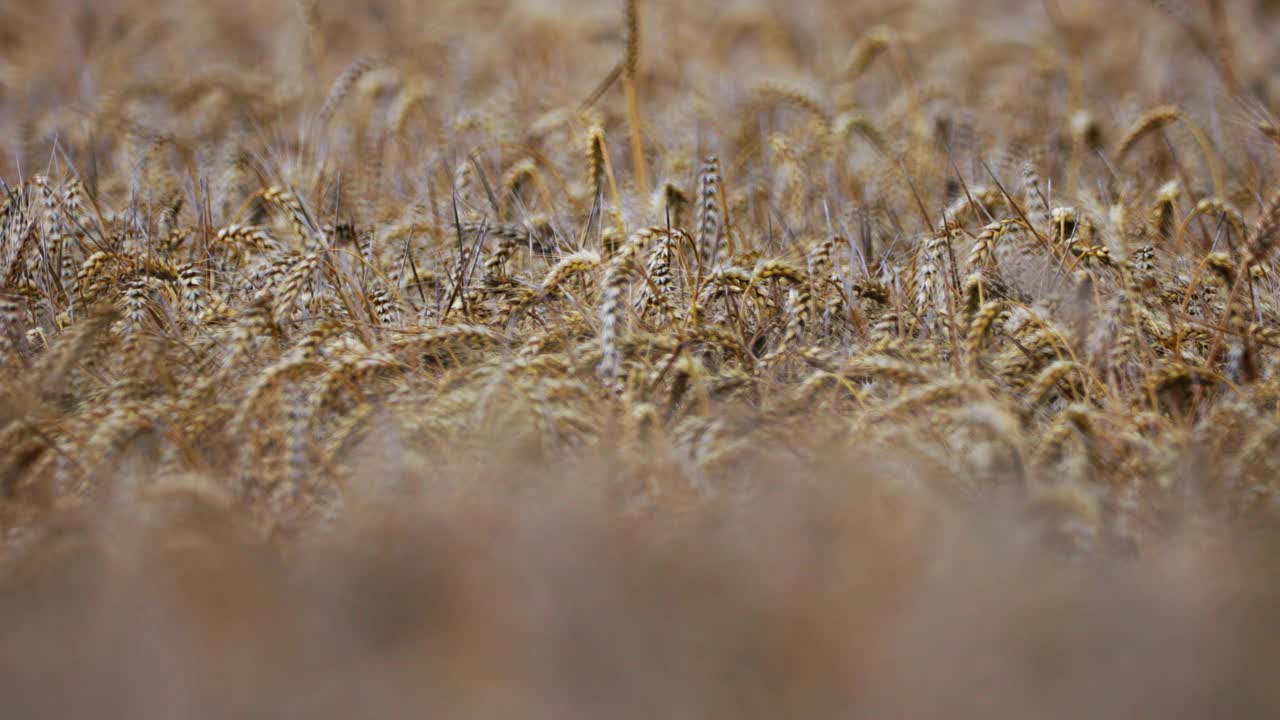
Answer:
(639, 359)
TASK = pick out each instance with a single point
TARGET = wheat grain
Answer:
(1151, 121)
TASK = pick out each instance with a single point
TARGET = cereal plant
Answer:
(639, 358)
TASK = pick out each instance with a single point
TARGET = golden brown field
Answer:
(558, 358)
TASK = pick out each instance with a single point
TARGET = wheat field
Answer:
(559, 358)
